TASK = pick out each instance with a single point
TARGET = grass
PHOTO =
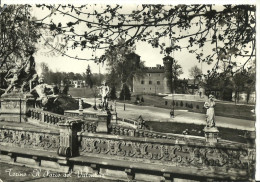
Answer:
(168, 127)
(81, 92)
(197, 130)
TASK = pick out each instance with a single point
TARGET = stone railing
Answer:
(45, 116)
(138, 123)
(142, 133)
(89, 127)
(115, 147)
(224, 160)
(36, 139)
(121, 130)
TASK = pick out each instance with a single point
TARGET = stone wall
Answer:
(179, 155)
(152, 83)
(124, 153)
(36, 139)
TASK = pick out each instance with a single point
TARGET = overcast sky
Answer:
(151, 56)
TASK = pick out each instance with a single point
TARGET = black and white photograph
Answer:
(133, 91)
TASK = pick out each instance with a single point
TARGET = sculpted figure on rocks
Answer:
(44, 91)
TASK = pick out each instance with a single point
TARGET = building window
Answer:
(144, 88)
(150, 82)
(150, 89)
(149, 74)
(158, 83)
(142, 82)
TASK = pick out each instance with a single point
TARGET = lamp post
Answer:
(173, 90)
(124, 97)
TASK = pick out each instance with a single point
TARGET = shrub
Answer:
(113, 93)
(65, 90)
(125, 93)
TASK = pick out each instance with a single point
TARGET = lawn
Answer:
(81, 92)
(197, 130)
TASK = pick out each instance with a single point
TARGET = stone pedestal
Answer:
(80, 112)
(14, 106)
(68, 137)
(114, 117)
(102, 126)
(211, 134)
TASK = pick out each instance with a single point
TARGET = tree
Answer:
(195, 71)
(125, 93)
(66, 86)
(89, 77)
(177, 71)
(113, 93)
(18, 36)
(228, 29)
(123, 65)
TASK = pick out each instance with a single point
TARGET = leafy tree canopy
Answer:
(18, 36)
(229, 30)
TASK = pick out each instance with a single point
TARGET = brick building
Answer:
(156, 79)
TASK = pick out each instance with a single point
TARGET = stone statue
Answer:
(13, 80)
(80, 104)
(30, 74)
(104, 90)
(20, 77)
(43, 95)
(210, 115)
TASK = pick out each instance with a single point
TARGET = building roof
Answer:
(154, 69)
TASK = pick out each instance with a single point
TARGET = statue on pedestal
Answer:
(210, 115)
(103, 91)
(80, 104)
(43, 94)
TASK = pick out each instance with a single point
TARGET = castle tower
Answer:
(168, 62)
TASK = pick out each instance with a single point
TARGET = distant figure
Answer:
(104, 90)
(210, 115)
(172, 113)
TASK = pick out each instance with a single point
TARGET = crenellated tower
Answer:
(168, 62)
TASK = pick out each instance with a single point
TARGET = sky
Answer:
(151, 56)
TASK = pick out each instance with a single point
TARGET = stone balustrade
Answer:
(37, 139)
(45, 116)
(89, 127)
(130, 150)
(227, 160)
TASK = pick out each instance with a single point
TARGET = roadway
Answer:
(151, 113)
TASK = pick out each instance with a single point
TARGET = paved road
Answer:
(182, 116)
